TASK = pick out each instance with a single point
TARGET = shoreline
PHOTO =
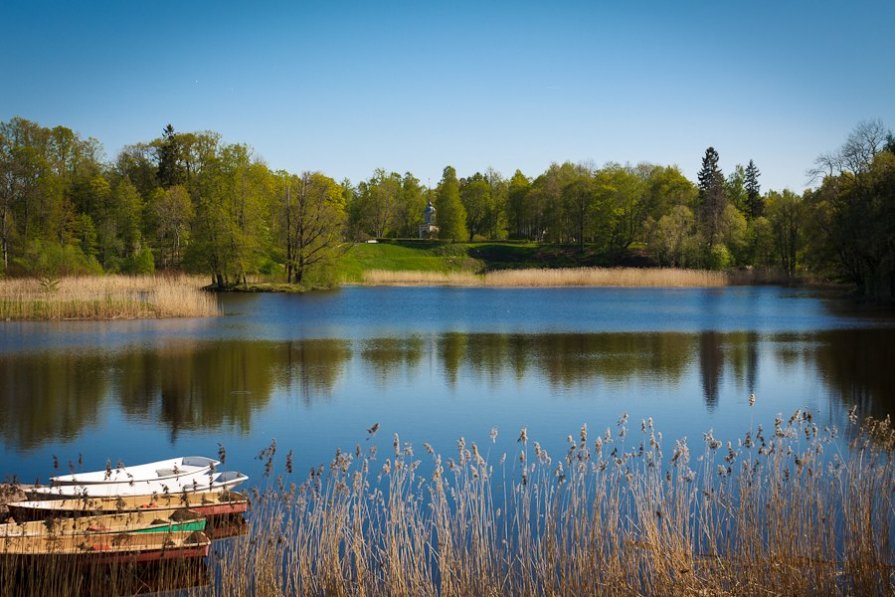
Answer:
(577, 277)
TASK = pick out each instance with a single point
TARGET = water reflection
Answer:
(195, 386)
(860, 366)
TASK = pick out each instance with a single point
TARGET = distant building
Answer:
(428, 229)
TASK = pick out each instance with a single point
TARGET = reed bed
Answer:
(775, 511)
(105, 297)
(554, 278)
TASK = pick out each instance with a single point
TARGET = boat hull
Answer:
(104, 549)
(206, 504)
(217, 482)
(159, 521)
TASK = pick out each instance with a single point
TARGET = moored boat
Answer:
(162, 470)
(208, 504)
(157, 521)
(208, 482)
(105, 548)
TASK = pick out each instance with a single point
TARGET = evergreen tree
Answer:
(169, 170)
(712, 200)
(754, 202)
(451, 213)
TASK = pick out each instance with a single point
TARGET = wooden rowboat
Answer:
(208, 504)
(204, 482)
(163, 470)
(105, 548)
(157, 521)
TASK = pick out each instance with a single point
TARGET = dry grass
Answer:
(775, 511)
(105, 297)
(769, 513)
(553, 278)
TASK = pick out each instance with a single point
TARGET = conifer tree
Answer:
(169, 170)
(712, 200)
(754, 202)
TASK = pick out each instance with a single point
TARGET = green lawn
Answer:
(438, 256)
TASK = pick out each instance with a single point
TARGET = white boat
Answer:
(213, 482)
(163, 470)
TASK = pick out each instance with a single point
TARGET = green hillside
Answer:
(437, 256)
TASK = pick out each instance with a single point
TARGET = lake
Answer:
(316, 371)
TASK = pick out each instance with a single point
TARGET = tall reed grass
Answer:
(551, 278)
(105, 297)
(776, 511)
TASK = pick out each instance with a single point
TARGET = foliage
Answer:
(450, 209)
(754, 202)
(712, 198)
(49, 259)
(189, 201)
(312, 215)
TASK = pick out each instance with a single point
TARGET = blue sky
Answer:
(346, 87)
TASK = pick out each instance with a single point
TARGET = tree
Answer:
(735, 188)
(170, 171)
(518, 211)
(754, 202)
(856, 155)
(313, 216)
(786, 214)
(376, 204)
(410, 207)
(851, 217)
(711, 197)
(451, 213)
(475, 194)
(618, 208)
(552, 220)
(579, 199)
(665, 188)
(672, 239)
(172, 212)
(890, 144)
(128, 206)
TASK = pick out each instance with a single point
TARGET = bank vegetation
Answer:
(188, 201)
(105, 297)
(790, 509)
(554, 278)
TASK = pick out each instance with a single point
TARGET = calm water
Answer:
(432, 364)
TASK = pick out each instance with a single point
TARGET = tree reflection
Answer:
(311, 368)
(180, 386)
(711, 366)
(859, 368)
(49, 396)
(192, 385)
(388, 356)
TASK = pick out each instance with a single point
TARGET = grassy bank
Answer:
(508, 264)
(619, 512)
(105, 297)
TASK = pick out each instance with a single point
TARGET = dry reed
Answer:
(105, 297)
(776, 511)
(771, 512)
(553, 278)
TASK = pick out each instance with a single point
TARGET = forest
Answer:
(192, 202)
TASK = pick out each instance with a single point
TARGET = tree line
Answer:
(189, 201)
